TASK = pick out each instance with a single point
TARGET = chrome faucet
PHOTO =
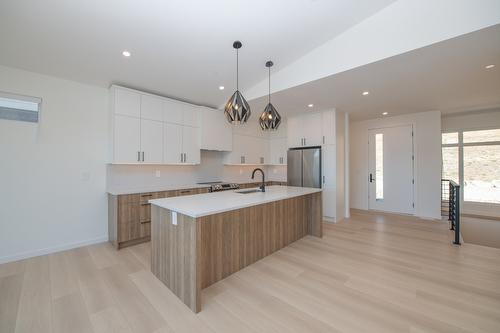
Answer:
(263, 186)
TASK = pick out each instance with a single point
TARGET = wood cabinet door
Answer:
(191, 144)
(127, 140)
(127, 103)
(129, 225)
(172, 143)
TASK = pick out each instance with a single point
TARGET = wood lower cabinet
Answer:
(129, 215)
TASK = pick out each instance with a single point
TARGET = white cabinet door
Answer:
(260, 150)
(172, 143)
(216, 132)
(127, 139)
(329, 180)
(191, 115)
(151, 108)
(236, 156)
(328, 122)
(151, 141)
(127, 103)
(172, 111)
(294, 132)
(311, 129)
(278, 151)
(191, 144)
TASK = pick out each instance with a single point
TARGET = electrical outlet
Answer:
(157, 174)
(174, 218)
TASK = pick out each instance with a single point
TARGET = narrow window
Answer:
(482, 173)
(379, 166)
(19, 108)
(450, 163)
(449, 138)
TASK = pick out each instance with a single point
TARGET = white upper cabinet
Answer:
(127, 102)
(305, 130)
(126, 140)
(151, 141)
(172, 144)
(216, 132)
(328, 121)
(278, 151)
(172, 111)
(153, 129)
(191, 115)
(151, 108)
(294, 133)
(191, 144)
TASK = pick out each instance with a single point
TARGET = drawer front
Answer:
(128, 221)
(186, 192)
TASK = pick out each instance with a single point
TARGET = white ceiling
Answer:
(182, 49)
(449, 76)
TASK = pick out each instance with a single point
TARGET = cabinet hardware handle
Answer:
(146, 195)
(187, 191)
(181, 157)
(324, 179)
(145, 204)
(138, 156)
(185, 157)
(144, 222)
(323, 139)
(143, 156)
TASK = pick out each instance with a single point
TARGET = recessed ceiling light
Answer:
(221, 87)
(489, 66)
(385, 113)
(126, 53)
(366, 93)
(310, 105)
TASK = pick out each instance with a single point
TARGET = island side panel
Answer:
(233, 240)
(315, 214)
(175, 257)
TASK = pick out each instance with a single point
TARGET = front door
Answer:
(390, 169)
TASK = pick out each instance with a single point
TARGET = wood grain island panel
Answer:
(198, 252)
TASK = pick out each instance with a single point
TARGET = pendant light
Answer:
(270, 119)
(237, 110)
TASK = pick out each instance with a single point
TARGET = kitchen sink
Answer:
(248, 190)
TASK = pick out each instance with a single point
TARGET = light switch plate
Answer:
(174, 218)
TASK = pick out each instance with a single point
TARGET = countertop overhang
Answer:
(218, 202)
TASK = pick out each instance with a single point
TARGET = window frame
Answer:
(24, 98)
(460, 144)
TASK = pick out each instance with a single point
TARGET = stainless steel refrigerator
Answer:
(304, 167)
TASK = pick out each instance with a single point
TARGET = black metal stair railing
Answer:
(450, 197)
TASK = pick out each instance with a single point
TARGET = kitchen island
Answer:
(200, 239)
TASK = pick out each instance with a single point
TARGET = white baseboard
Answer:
(329, 219)
(47, 250)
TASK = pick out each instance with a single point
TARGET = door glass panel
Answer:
(450, 163)
(379, 166)
(482, 136)
(482, 173)
(449, 138)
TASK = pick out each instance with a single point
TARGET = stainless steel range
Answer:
(223, 187)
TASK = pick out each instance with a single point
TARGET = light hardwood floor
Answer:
(371, 273)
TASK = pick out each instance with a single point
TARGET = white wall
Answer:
(340, 165)
(52, 175)
(470, 121)
(427, 145)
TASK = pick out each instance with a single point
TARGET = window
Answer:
(379, 166)
(20, 108)
(472, 159)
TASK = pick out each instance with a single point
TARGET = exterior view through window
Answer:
(472, 159)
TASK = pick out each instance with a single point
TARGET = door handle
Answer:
(371, 178)
(138, 156)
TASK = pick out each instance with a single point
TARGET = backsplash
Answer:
(211, 168)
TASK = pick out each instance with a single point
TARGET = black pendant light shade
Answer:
(270, 119)
(237, 110)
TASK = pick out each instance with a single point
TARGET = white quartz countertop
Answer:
(217, 202)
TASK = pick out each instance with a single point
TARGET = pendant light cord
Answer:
(269, 95)
(237, 69)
